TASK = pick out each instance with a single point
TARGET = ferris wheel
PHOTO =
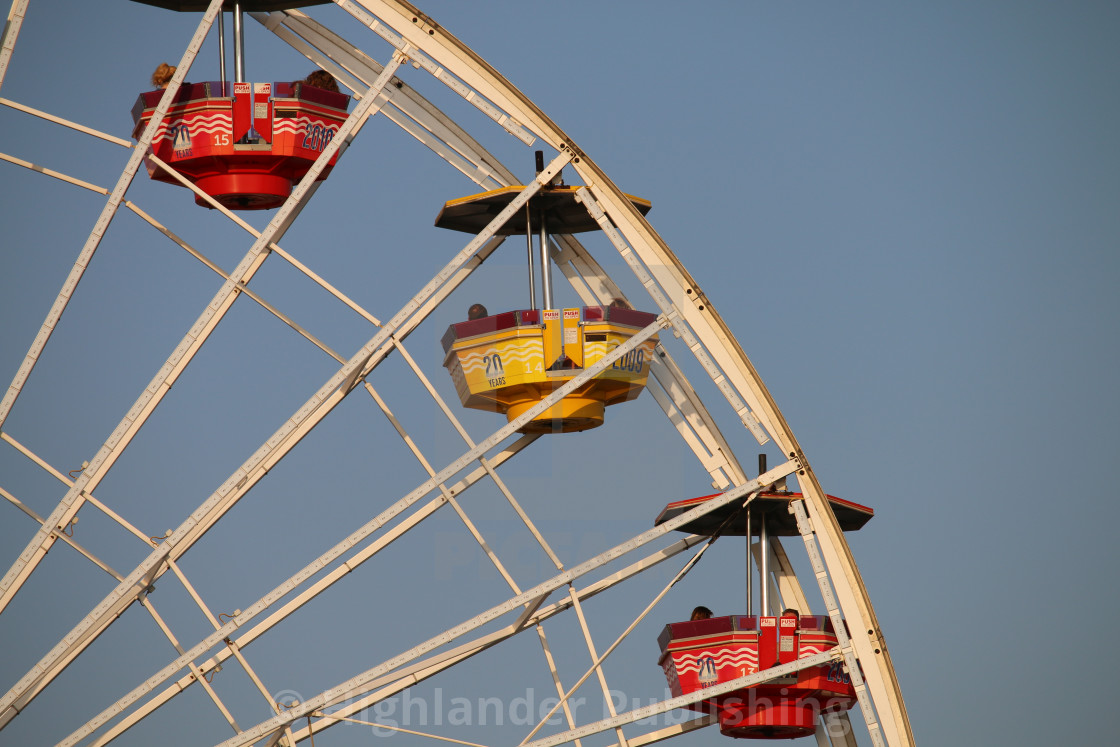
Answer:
(344, 558)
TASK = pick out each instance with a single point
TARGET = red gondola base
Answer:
(245, 150)
(702, 653)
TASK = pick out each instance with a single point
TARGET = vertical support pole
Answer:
(529, 250)
(546, 264)
(238, 44)
(222, 51)
(764, 554)
(764, 567)
(750, 565)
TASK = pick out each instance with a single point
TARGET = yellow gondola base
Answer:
(509, 362)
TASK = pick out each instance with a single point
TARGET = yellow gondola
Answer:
(509, 362)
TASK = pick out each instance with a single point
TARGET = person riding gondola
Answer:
(162, 75)
(701, 613)
(322, 79)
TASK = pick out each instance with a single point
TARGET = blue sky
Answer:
(907, 215)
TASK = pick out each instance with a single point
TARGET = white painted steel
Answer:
(490, 472)
(344, 568)
(681, 302)
(805, 526)
(56, 174)
(420, 671)
(659, 735)
(448, 140)
(194, 527)
(351, 687)
(70, 504)
(439, 73)
(408, 109)
(662, 300)
(64, 537)
(11, 32)
(667, 705)
(597, 667)
(143, 599)
(131, 587)
(9, 584)
(598, 660)
(732, 370)
(66, 123)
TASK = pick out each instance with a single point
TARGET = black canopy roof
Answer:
(198, 6)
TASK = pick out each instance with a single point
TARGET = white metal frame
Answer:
(685, 310)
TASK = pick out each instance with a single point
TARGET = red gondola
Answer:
(244, 144)
(701, 653)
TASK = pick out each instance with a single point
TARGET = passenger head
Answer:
(477, 311)
(701, 613)
(619, 303)
(162, 76)
(322, 79)
(790, 611)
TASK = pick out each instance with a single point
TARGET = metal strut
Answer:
(805, 526)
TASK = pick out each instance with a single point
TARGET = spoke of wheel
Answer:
(409, 110)
(465, 89)
(102, 222)
(145, 602)
(693, 421)
(354, 685)
(667, 705)
(11, 33)
(66, 123)
(447, 495)
(597, 662)
(450, 415)
(194, 527)
(61, 177)
(501, 485)
(68, 540)
(246, 638)
(697, 427)
(415, 673)
(397, 728)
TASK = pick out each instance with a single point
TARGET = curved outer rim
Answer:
(424, 33)
(694, 307)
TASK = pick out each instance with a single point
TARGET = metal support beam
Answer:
(805, 526)
(11, 33)
(667, 705)
(348, 688)
(102, 616)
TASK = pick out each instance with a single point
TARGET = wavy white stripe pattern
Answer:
(524, 355)
(593, 351)
(214, 123)
(301, 125)
(723, 658)
(222, 122)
